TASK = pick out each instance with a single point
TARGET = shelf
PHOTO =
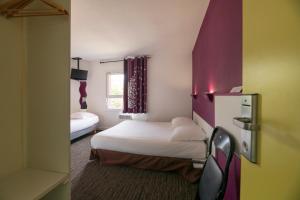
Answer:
(228, 94)
(30, 184)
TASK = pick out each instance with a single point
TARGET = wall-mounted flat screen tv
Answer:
(78, 74)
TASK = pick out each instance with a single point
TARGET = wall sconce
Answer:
(195, 92)
(194, 95)
(209, 96)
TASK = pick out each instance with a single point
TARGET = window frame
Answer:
(109, 96)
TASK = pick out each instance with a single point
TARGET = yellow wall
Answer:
(48, 104)
(11, 66)
(272, 68)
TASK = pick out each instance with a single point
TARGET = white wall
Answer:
(165, 30)
(226, 108)
(169, 83)
(97, 92)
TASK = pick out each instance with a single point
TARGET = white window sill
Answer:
(125, 116)
(113, 110)
(133, 116)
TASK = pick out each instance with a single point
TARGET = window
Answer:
(115, 82)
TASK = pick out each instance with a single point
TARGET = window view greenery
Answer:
(115, 91)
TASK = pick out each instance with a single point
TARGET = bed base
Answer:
(167, 164)
(82, 132)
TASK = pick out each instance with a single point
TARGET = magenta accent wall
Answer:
(234, 177)
(217, 55)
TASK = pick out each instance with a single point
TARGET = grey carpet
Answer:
(91, 181)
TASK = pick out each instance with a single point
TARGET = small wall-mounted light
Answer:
(209, 96)
(194, 95)
(195, 92)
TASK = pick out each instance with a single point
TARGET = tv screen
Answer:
(78, 74)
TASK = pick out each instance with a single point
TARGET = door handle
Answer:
(245, 123)
(249, 125)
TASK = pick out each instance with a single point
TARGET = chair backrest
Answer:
(213, 181)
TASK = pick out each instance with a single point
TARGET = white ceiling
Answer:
(105, 29)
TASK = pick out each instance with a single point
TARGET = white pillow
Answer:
(182, 121)
(188, 133)
(77, 115)
(83, 115)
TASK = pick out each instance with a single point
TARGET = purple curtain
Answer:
(135, 85)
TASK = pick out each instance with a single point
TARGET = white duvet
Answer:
(147, 138)
(87, 120)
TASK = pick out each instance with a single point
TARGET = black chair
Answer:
(213, 181)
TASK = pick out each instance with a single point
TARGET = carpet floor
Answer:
(91, 181)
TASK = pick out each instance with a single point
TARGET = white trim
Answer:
(207, 128)
(109, 96)
(108, 83)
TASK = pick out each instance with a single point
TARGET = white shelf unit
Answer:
(34, 129)
(30, 184)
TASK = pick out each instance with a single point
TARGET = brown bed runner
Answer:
(166, 164)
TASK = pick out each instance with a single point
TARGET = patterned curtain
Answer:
(83, 95)
(135, 85)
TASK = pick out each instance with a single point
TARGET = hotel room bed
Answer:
(148, 145)
(82, 123)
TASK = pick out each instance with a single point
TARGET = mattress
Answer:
(147, 138)
(87, 120)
